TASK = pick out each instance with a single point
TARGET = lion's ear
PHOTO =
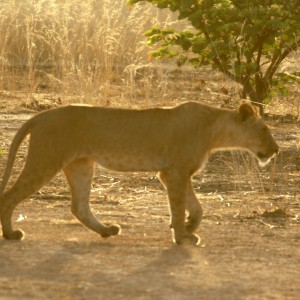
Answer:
(246, 111)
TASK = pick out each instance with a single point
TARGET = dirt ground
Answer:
(250, 247)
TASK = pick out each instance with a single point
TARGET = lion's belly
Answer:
(123, 162)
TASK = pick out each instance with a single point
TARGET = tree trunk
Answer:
(257, 94)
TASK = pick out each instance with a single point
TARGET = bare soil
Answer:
(250, 246)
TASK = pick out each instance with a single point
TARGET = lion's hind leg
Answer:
(29, 181)
(9, 200)
(79, 174)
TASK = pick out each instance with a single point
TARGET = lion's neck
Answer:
(225, 132)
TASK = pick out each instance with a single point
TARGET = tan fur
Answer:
(175, 142)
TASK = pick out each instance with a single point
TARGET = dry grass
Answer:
(73, 46)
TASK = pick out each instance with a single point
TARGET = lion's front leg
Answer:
(79, 174)
(177, 187)
(194, 209)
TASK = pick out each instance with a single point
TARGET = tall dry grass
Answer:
(72, 46)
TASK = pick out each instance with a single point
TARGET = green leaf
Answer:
(197, 19)
(181, 60)
(199, 45)
(168, 31)
(287, 77)
(251, 68)
(195, 62)
(184, 42)
(238, 69)
(152, 31)
(154, 39)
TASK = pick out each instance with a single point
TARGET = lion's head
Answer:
(257, 136)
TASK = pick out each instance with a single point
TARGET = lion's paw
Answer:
(14, 235)
(111, 230)
(188, 238)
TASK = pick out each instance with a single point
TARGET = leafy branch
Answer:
(245, 40)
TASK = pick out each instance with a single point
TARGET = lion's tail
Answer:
(17, 140)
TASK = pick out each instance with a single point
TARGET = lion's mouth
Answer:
(264, 159)
(262, 156)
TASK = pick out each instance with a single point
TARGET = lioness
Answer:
(175, 142)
